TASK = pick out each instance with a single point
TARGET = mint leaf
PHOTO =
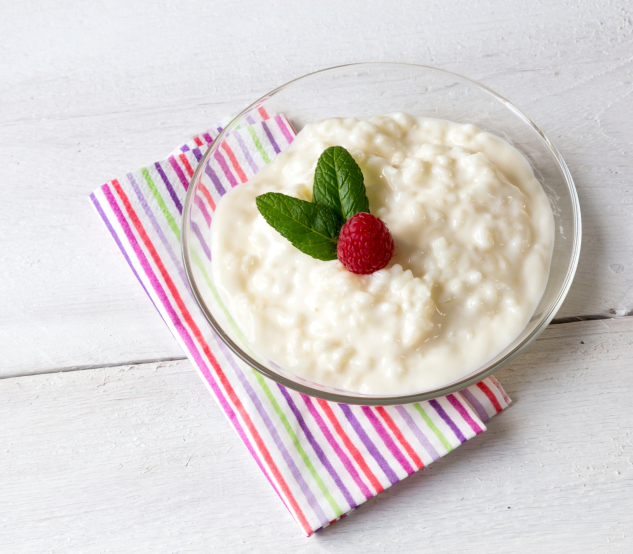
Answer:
(339, 183)
(312, 228)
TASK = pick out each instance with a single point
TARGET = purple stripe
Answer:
(245, 151)
(168, 186)
(347, 463)
(197, 154)
(208, 138)
(436, 406)
(181, 175)
(205, 247)
(371, 447)
(386, 438)
(184, 148)
(307, 492)
(476, 405)
(159, 231)
(271, 138)
(201, 206)
(317, 448)
(175, 260)
(184, 335)
(229, 175)
(250, 120)
(118, 243)
(284, 128)
(459, 407)
(426, 444)
(214, 178)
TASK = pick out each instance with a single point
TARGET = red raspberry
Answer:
(364, 244)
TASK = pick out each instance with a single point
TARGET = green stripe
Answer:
(161, 203)
(297, 444)
(198, 263)
(433, 428)
(258, 144)
(282, 416)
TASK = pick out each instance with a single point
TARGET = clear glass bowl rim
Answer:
(396, 399)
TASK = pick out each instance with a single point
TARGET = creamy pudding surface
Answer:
(473, 234)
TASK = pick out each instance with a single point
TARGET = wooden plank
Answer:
(105, 102)
(139, 458)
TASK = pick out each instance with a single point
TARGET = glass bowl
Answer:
(364, 90)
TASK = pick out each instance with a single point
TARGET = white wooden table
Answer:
(108, 439)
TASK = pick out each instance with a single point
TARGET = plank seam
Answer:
(559, 321)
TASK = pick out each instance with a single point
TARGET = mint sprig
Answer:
(338, 194)
(339, 184)
(312, 228)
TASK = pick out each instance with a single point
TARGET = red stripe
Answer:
(490, 395)
(185, 162)
(220, 374)
(263, 113)
(236, 165)
(497, 384)
(207, 195)
(358, 458)
(398, 434)
(197, 141)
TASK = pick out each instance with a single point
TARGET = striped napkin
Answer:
(323, 459)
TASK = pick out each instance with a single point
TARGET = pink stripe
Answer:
(284, 130)
(459, 407)
(225, 168)
(181, 175)
(198, 201)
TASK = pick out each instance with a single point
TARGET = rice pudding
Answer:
(473, 234)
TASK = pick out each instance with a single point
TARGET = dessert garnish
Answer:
(337, 223)
(364, 244)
